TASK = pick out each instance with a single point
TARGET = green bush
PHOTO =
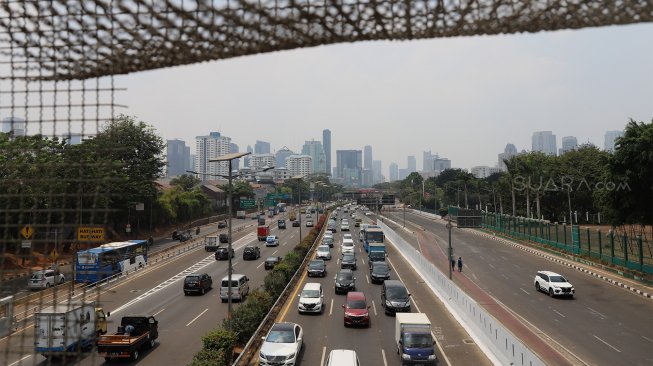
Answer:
(217, 348)
(247, 317)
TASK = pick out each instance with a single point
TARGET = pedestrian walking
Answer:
(453, 263)
(460, 264)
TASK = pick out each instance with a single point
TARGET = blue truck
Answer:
(415, 343)
(372, 234)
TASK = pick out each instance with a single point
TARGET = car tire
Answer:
(152, 343)
(203, 291)
(550, 292)
(47, 285)
(62, 281)
(537, 286)
(185, 293)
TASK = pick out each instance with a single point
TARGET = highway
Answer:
(602, 325)
(157, 290)
(374, 345)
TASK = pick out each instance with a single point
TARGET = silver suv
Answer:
(554, 284)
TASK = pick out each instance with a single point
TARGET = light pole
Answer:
(451, 259)
(229, 158)
(299, 214)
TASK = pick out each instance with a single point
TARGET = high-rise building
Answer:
(610, 138)
(441, 164)
(545, 142)
(411, 164)
(376, 172)
(210, 147)
(178, 157)
(14, 124)
(314, 150)
(367, 178)
(393, 172)
(568, 143)
(299, 165)
(427, 161)
(403, 173)
(350, 164)
(246, 158)
(281, 155)
(484, 171)
(508, 152)
(326, 141)
(260, 161)
(261, 147)
(233, 148)
(367, 157)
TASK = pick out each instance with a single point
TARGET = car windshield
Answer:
(281, 336)
(311, 293)
(271, 259)
(417, 340)
(37, 276)
(381, 268)
(347, 244)
(322, 249)
(356, 304)
(557, 279)
(348, 258)
(316, 264)
(396, 293)
(344, 276)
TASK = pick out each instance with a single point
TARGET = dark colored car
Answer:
(356, 310)
(197, 283)
(224, 238)
(222, 253)
(251, 252)
(222, 224)
(379, 272)
(296, 224)
(348, 261)
(345, 281)
(270, 262)
(184, 236)
(395, 297)
(281, 224)
(317, 267)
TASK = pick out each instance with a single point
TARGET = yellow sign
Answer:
(27, 232)
(87, 233)
(54, 255)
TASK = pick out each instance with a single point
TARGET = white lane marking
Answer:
(19, 361)
(527, 293)
(559, 313)
(367, 278)
(331, 308)
(648, 339)
(202, 313)
(323, 353)
(504, 276)
(490, 264)
(606, 343)
(158, 312)
(596, 312)
(275, 252)
(259, 266)
(385, 362)
(374, 307)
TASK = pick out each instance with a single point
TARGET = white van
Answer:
(342, 357)
(239, 287)
(311, 298)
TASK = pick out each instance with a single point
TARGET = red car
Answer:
(356, 310)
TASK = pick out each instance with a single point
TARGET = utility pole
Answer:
(448, 226)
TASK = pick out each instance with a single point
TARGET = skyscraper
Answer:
(210, 147)
(326, 142)
(545, 142)
(440, 164)
(261, 147)
(393, 172)
(376, 172)
(508, 152)
(367, 157)
(233, 148)
(349, 164)
(610, 138)
(281, 155)
(427, 161)
(246, 158)
(14, 124)
(314, 150)
(299, 165)
(411, 164)
(178, 157)
(568, 143)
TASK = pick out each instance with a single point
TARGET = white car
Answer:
(554, 284)
(323, 252)
(282, 345)
(347, 246)
(311, 298)
(272, 241)
(45, 279)
(344, 227)
(346, 236)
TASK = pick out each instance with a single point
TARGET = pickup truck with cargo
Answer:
(67, 328)
(415, 343)
(211, 243)
(135, 334)
(262, 232)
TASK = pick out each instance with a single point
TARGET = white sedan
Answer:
(323, 252)
(282, 345)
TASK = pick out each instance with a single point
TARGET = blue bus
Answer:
(107, 260)
(373, 234)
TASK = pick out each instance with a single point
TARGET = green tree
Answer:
(186, 181)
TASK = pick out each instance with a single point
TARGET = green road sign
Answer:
(247, 203)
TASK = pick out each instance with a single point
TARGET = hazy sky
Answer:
(463, 98)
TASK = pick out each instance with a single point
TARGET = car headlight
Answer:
(432, 357)
(261, 355)
(388, 303)
(405, 356)
(290, 356)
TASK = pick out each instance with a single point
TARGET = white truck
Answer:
(67, 329)
(211, 243)
(240, 214)
(415, 343)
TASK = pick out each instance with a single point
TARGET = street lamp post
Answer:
(229, 158)
(299, 214)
